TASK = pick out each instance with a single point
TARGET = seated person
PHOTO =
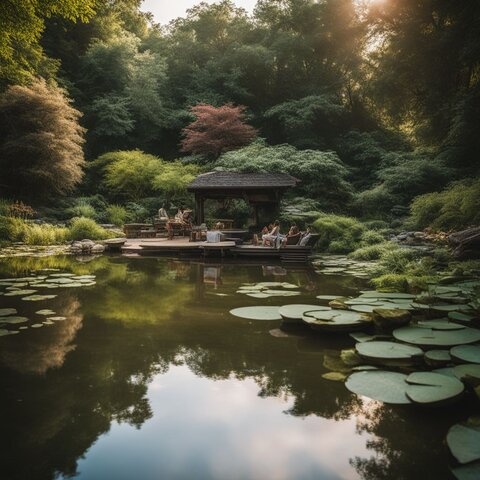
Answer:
(274, 237)
(305, 237)
(293, 236)
(179, 215)
(187, 217)
(162, 213)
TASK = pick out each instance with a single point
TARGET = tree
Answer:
(21, 26)
(41, 142)
(322, 173)
(174, 177)
(129, 174)
(217, 130)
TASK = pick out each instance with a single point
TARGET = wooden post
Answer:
(199, 208)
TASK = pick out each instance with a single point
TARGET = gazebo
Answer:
(257, 189)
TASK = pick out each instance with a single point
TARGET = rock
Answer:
(98, 248)
(466, 243)
(339, 303)
(391, 318)
(85, 247)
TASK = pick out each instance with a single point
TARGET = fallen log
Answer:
(465, 244)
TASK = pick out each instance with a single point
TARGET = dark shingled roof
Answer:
(234, 180)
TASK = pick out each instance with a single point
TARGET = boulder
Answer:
(391, 318)
(465, 244)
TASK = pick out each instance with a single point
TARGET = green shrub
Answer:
(373, 252)
(346, 232)
(82, 209)
(5, 207)
(377, 225)
(371, 237)
(12, 229)
(398, 260)
(395, 282)
(82, 228)
(456, 207)
(116, 215)
(136, 212)
(45, 234)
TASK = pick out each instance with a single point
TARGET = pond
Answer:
(142, 372)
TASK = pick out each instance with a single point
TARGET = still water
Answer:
(150, 377)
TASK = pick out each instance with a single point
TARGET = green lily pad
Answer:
(429, 388)
(15, 293)
(4, 333)
(466, 353)
(385, 352)
(464, 443)
(334, 376)
(57, 319)
(295, 312)
(335, 320)
(451, 308)
(385, 305)
(257, 313)
(467, 370)
(281, 293)
(384, 295)
(45, 312)
(462, 318)
(327, 297)
(13, 320)
(441, 338)
(47, 322)
(37, 298)
(470, 471)
(258, 295)
(362, 337)
(440, 324)
(37, 325)
(59, 281)
(62, 274)
(7, 311)
(387, 387)
(437, 358)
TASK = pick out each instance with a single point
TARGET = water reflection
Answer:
(185, 390)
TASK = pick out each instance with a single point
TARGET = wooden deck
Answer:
(182, 247)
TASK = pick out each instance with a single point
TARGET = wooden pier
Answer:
(181, 247)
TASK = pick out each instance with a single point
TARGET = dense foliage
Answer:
(372, 105)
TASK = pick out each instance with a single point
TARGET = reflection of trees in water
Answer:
(40, 351)
(139, 321)
(408, 442)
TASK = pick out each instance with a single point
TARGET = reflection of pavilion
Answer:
(273, 271)
(212, 275)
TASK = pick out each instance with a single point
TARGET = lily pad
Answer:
(258, 295)
(466, 353)
(57, 319)
(334, 376)
(327, 297)
(429, 388)
(464, 442)
(335, 320)
(462, 318)
(387, 387)
(294, 313)
(37, 298)
(442, 338)
(15, 293)
(37, 325)
(440, 324)
(394, 295)
(45, 312)
(437, 358)
(7, 311)
(470, 471)
(4, 333)
(257, 313)
(362, 337)
(13, 320)
(386, 352)
(467, 370)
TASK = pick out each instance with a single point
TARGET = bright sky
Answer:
(166, 10)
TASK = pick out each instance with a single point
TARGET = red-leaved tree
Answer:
(217, 130)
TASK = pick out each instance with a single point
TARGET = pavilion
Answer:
(261, 190)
